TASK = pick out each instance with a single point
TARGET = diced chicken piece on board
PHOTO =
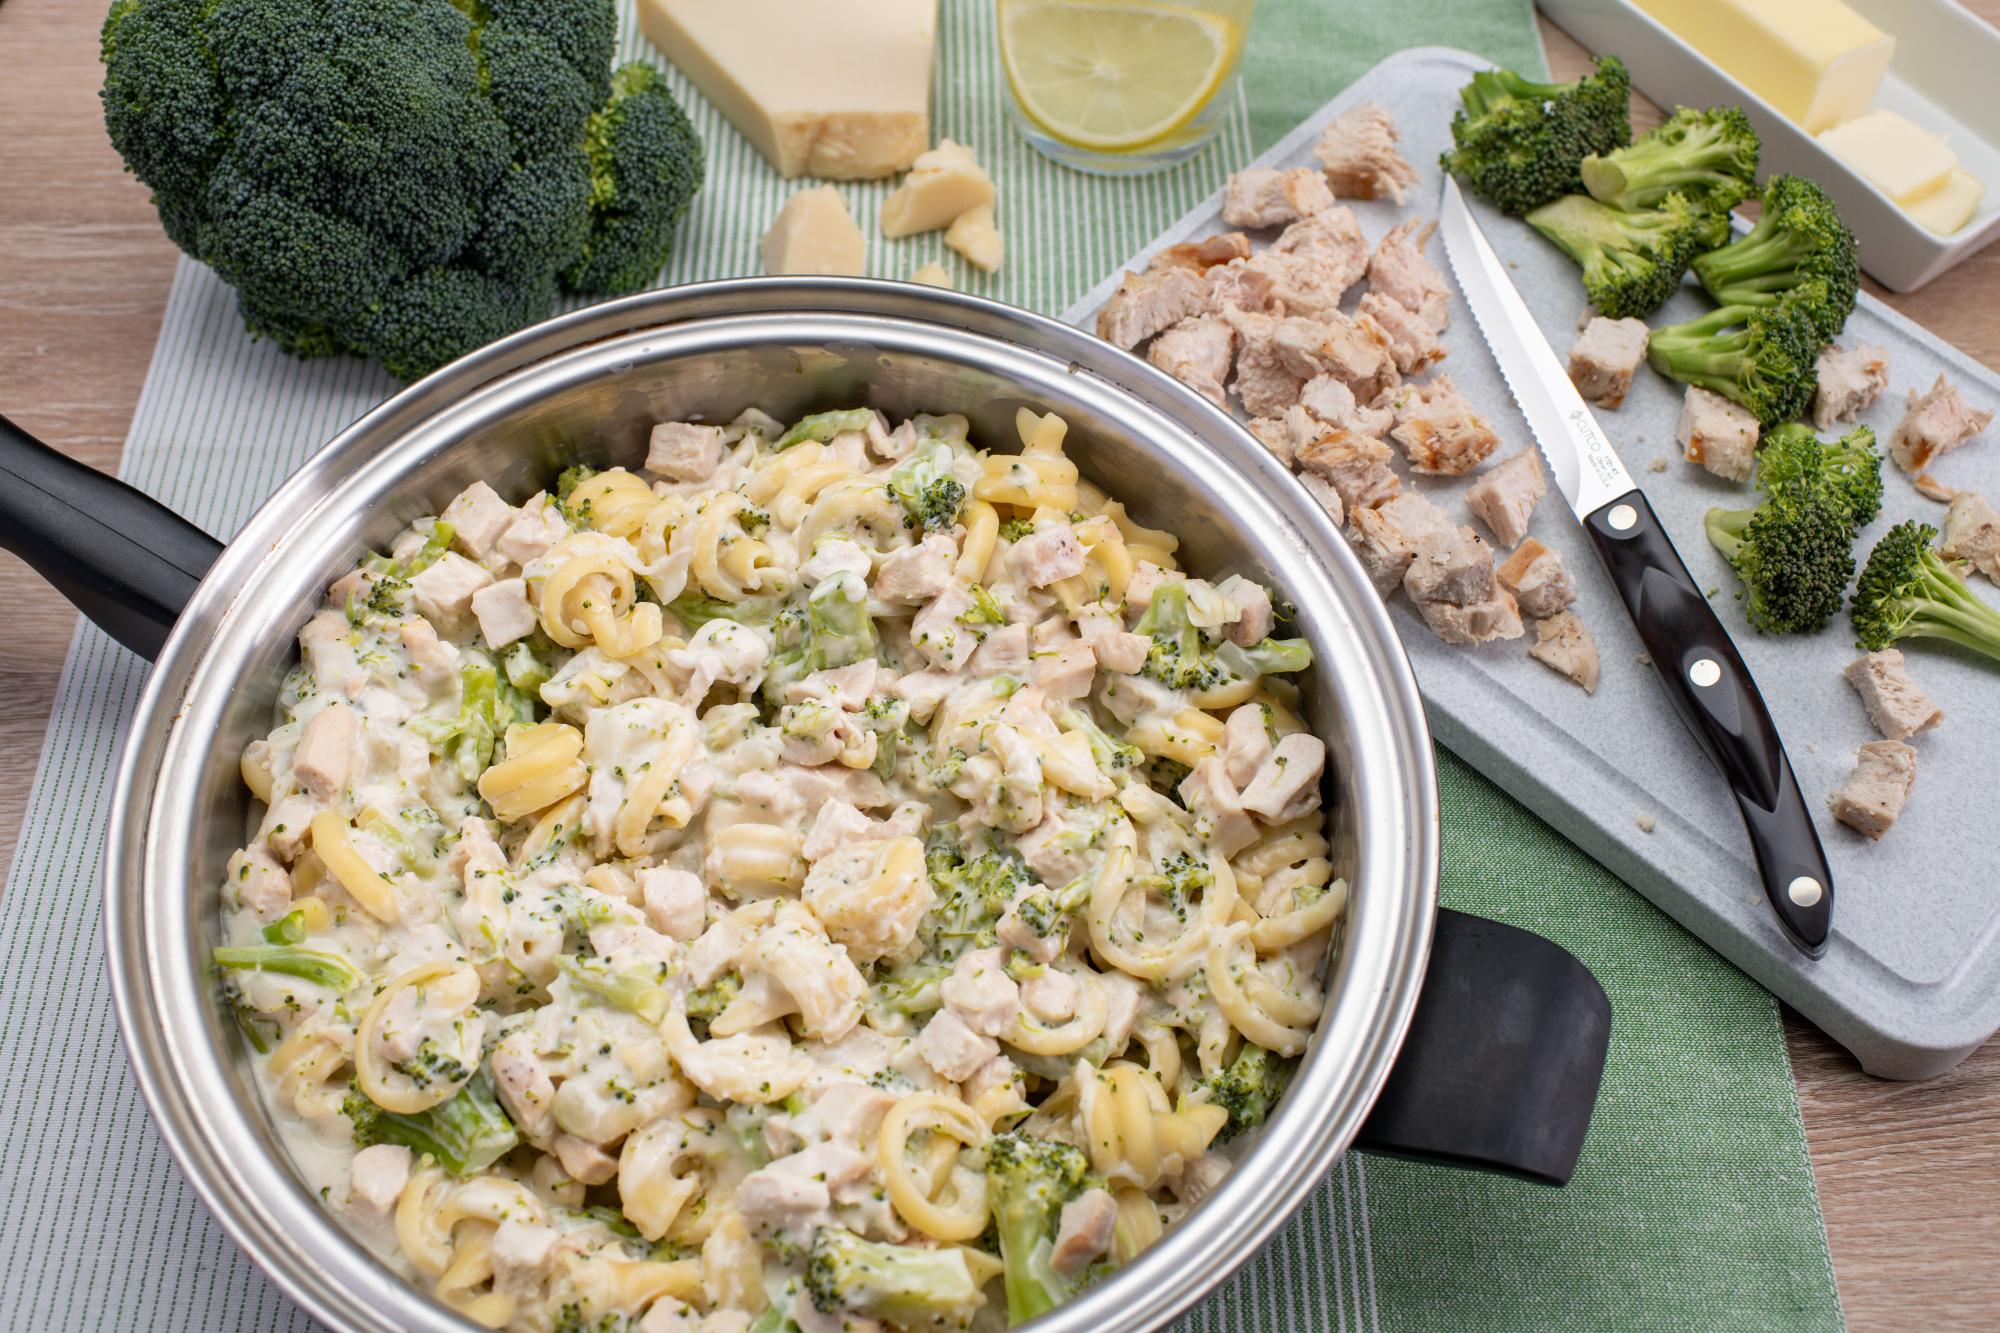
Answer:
(1358, 151)
(1440, 432)
(1265, 384)
(1413, 344)
(1199, 352)
(1314, 261)
(976, 238)
(942, 185)
(1564, 645)
(1937, 423)
(1896, 704)
(1329, 399)
(1284, 435)
(1481, 622)
(1358, 353)
(1506, 496)
(1718, 434)
(1329, 499)
(1146, 303)
(1267, 197)
(1386, 538)
(1450, 565)
(1972, 533)
(1605, 354)
(477, 516)
(1932, 489)
(1238, 286)
(1207, 253)
(1355, 465)
(683, 451)
(1850, 379)
(1536, 577)
(1876, 791)
(1399, 271)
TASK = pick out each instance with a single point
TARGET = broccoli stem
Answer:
(319, 966)
(636, 990)
(467, 1132)
(1946, 609)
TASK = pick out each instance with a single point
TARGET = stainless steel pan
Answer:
(1444, 1036)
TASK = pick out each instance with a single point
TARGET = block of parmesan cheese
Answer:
(1817, 61)
(839, 89)
(814, 234)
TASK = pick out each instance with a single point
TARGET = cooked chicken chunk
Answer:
(1386, 538)
(684, 451)
(1932, 489)
(1314, 261)
(1356, 465)
(1412, 343)
(1604, 356)
(1536, 577)
(1238, 286)
(1875, 792)
(1358, 353)
(1399, 271)
(1564, 645)
(1199, 352)
(1266, 197)
(1267, 381)
(1850, 378)
(1329, 499)
(1358, 151)
(1481, 622)
(1203, 255)
(1440, 432)
(1146, 303)
(1718, 434)
(1972, 534)
(1896, 704)
(1083, 1232)
(1451, 565)
(1329, 399)
(1285, 434)
(1937, 423)
(1506, 496)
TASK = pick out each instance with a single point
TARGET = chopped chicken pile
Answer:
(1339, 384)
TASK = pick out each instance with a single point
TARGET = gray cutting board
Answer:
(1911, 982)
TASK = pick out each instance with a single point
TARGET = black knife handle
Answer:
(1713, 692)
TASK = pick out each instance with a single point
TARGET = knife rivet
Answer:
(1705, 672)
(1622, 517)
(1805, 891)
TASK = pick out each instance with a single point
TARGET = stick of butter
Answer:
(1817, 61)
(1899, 157)
(839, 89)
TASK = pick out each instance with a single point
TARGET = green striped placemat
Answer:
(1694, 1206)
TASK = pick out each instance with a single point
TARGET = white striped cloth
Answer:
(99, 1229)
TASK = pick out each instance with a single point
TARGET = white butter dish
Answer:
(1942, 77)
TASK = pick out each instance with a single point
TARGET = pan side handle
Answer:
(1500, 1069)
(126, 560)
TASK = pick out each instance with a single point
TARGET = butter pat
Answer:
(1899, 157)
(1817, 61)
(974, 236)
(944, 183)
(833, 88)
(1946, 207)
(814, 234)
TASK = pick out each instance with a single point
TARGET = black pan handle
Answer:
(1714, 694)
(1504, 1054)
(126, 560)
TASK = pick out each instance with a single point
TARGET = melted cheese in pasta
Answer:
(663, 876)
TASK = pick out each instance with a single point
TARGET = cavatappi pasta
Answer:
(833, 878)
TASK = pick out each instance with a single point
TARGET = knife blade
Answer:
(1692, 653)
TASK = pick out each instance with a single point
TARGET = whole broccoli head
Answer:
(1799, 245)
(1908, 591)
(1632, 259)
(1520, 143)
(1708, 157)
(1794, 553)
(403, 179)
(1763, 357)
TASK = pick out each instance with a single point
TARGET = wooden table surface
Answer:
(1908, 1173)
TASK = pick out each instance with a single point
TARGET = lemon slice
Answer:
(1112, 76)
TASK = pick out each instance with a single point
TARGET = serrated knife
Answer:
(1692, 652)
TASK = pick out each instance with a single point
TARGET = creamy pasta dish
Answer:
(835, 878)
